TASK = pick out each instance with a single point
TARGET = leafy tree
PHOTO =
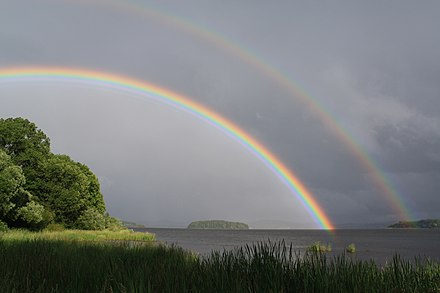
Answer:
(91, 219)
(37, 187)
(23, 141)
(112, 223)
(31, 213)
(16, 204)
(28, 148)
(3, 227)
(70, 189)
(12, 181)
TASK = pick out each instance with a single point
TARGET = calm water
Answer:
(378, 244)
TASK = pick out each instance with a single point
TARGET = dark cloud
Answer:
(373, 66)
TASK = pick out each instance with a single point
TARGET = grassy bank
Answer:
(77, 235)
(36, 265)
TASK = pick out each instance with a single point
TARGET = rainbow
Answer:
(378, 177)
(122, 83)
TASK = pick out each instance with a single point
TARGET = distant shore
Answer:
(218, 224)
(422, 224)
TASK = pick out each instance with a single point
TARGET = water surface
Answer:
(377, 244)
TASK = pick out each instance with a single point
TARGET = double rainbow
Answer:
(244, 54)
(122, 83)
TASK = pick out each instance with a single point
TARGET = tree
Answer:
(91, 219)
(38, 187)
(23, 141)
(12, 181)
(70, 189)
(31, 213)
(28, 148)
(16, 204)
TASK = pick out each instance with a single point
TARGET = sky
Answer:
(373, 66)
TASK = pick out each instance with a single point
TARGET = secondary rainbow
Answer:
(246, 55)
(118, 82)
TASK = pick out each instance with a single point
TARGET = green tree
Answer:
(70, 189)
(28, 148)
(91, 219)
(38, 187)
(12, 181)
(31, 213)
(16, 204)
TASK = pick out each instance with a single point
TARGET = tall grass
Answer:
(77, 235)
(36, 265)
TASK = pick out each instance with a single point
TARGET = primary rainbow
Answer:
(123, 83)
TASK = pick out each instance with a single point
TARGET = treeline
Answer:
(218, 224)
(422, 224)
(39, 188)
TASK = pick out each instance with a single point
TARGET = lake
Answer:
(377, 244)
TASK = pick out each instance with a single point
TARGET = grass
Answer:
(41, 265)
(77, 235)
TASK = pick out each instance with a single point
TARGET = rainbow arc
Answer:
(118, 82)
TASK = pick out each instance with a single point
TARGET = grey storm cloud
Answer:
(373, 66)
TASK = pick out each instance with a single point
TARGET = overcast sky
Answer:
(373, 65)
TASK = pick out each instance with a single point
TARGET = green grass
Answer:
(77, 235)
(38, 265)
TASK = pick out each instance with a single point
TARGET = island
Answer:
(422, 224)
(218, 224)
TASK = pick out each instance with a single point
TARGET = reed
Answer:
(42, 265)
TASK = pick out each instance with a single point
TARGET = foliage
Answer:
(264, 267)
(90, 219)
(217, 224)
(320, 247)
(31, 213)
(37, 187)
(17, 206)
(3, 227)
(112, 223)
(19, 137)
(12, 181)
(28, 147)
(351, 248)
(71, 188)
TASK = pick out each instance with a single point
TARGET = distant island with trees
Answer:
(422, 224)
(218, 224)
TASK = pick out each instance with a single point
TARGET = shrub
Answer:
(3, 227)
(113, 224)
(351, 248)
(31, 213)
(320, 247)
(90, 219)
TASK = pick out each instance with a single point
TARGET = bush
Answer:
(3, 227)
(90, 219)
(113, 224)
(31, 213)
(351, 248)
(320, 247)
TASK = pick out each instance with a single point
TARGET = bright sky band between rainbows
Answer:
(166, 96)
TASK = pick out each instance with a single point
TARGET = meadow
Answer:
(39, 264)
